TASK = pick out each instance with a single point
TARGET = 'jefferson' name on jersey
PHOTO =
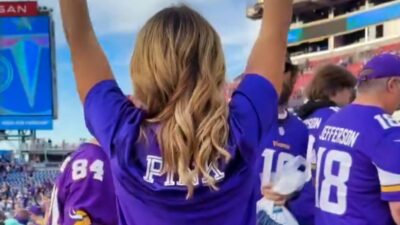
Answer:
(339, 135)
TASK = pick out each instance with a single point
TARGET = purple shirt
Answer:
(289, 139)
(358, 152)
(145, 196)
(303, 207)
(84, 191)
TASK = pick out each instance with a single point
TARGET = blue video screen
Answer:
(375, 16)
(26, 73)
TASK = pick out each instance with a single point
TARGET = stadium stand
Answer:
(23, 187)
(28, 183)
(341, 32)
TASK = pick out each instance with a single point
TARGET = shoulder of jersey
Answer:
(328, 111)
(384, 127)
(295, 117)
(389, 125)
(334, 108)
(86, 151)
(324, 112)
(299, 123)
(89, 150)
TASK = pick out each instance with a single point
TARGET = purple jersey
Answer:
(303, 207)
(315, 121)
(146, 196)
(358, 169)
(84, 191)
(289, 140)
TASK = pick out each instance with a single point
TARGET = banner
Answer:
(9, 9)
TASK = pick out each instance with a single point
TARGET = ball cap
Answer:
(36, 210)
(381, 66)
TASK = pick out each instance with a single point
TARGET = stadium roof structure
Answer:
(300, 6)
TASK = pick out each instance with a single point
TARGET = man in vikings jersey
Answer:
(288, 139)
(84, 191)
(358, 153)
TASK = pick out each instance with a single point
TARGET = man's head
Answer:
(379, 82)
(22, 216)
(290, 78)
(332, 83)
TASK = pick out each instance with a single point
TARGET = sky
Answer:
(117, 23)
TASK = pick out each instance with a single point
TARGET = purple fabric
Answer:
(84, 190)
(303, 207)
(381, 66)
(289, 139)
(146, 196)
(36, 210)
(22, 220)
(365, 142)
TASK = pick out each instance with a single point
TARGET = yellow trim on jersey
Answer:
(391, 188)
(81, 218)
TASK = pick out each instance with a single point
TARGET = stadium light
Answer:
(255, 11)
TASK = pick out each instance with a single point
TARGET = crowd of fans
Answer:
(352, 62)
(24, 192)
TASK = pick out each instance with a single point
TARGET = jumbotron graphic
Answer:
(26, 74)
(6, 74)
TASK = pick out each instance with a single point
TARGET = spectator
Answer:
(2, 218)
(36, 215)
(21, 218)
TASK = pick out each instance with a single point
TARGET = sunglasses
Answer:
(289, 67)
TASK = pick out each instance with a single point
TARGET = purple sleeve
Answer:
(306, 140)
(303, 141)
(106, 109)
(298, 137)
(253, 110)
(386, 159)
(90, 197)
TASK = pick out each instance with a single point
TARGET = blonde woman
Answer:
(186, 157)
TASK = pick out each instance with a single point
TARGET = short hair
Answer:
(371, 85)
(328, 80)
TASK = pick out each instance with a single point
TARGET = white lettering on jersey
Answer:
(334, 108)
(170, 179)
(214, 172)
(80, 169)
(332, 184)
(386, 121)
(313, 123)
(64, 164)
(339, 135)
(195, 181)
(155, 167)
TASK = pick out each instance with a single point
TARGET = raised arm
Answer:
(268, 55)
(89, 61)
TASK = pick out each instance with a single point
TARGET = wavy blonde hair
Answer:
(178, 71)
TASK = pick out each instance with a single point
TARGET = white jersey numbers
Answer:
(331, 192)
(80, 169)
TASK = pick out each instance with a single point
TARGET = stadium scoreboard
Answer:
(27, 69)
